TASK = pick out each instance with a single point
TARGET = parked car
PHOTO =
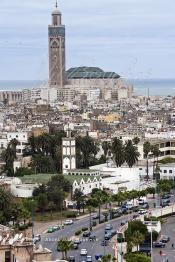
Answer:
(166, 196)
(89, 259)
(86, 234)
(158, 244)
(164, 204)
(165, 200)
(68, 222)
(95, 216)
(50, 230)
(108, 227)
(61, 226)
(36, 239)
(71, 259)
(83, 252)
(142, 212)
(145, 206)
(56, 227)
(165, 239)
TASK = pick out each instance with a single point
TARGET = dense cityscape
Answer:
(87, 167)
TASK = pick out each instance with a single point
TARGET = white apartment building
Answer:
(22, 138)
(93, 94)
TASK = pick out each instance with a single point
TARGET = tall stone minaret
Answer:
(56, 50)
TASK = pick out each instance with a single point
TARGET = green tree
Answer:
(106, 146)
(136, 140)
(65, 246)
(137, 238)
(106, 258)
(86, 151)
(146, 151)
(156, 153)
(120, 197)
(151, 190)
(51, 207)
(133, 194)
(6, 206)
(79, 197)
(42, 202)
(23, 171)
(135, 226)
(131, 153)
(118, 151)
(46, 152)
(9, 156)
(134, 257)
(99, 197)
(57, 190)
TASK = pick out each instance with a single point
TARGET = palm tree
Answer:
(106, 258)
(137, 238)
(156, 153)
(118, 151)
(131, 153)
(136, 140)
(65, 246)
(146, 151)
(106, 146)
(120, 197)
(99, 197)
(9, 156)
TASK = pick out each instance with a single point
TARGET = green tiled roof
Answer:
(90, 73)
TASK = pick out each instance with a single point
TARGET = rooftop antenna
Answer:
(56, 5)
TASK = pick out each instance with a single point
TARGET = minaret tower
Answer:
(68, 153)
(56, 50)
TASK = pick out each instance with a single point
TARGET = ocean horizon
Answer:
(163, 87)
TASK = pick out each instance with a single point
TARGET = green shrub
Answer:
(78, 232)
(23, 171)
(23, 227)
(71, 214)
(94, 223)
(84, 229)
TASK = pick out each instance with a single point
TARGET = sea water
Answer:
(162, 87)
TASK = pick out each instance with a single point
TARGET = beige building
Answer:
(10, 97)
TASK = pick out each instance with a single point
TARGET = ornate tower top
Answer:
(56, 15)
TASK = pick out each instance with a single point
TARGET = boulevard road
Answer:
(49, 240)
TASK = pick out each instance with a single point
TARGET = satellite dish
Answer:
(22, 240)
(11, 241)
(16, 237)
(20, 236)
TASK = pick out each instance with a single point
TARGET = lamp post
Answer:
(32, 219)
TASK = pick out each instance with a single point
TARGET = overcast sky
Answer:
(135, 38)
